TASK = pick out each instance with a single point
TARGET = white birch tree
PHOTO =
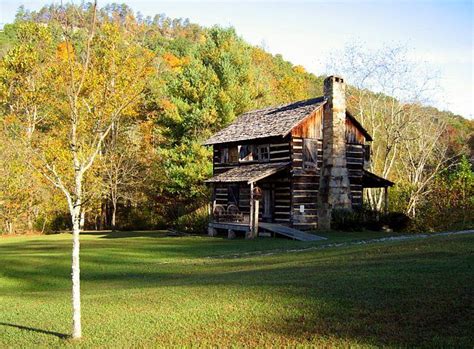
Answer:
(386, 88)
(95, 75)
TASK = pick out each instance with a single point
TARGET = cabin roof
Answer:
(249, 173)
(371, 180)
(267, 122)
(272, 122)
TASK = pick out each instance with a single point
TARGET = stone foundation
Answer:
(211, 231)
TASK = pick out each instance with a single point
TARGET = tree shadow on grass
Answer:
(37, 330)
(383, 295)
(120, 234)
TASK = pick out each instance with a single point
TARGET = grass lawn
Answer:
(147, 290)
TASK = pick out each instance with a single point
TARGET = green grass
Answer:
(147, 290)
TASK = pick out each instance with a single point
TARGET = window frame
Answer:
(224, 155)
(266, 147)
(251, 154)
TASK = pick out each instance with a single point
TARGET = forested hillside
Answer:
(151, 165)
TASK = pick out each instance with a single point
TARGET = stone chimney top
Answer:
(334, 78)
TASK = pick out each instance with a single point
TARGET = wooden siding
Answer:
(310, 127)
(353, 134)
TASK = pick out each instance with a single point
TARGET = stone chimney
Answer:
(334, 187)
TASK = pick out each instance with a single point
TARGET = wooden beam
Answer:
(251, 219)
(255, 221)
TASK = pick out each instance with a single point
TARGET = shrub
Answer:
(397, 221)
(362, 218)
(193, 222)
(347, 220)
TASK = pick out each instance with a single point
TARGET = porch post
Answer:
(255, 222)
(249, 235)
(385, 194)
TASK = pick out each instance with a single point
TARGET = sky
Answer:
(438, 33)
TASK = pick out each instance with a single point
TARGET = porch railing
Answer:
(231, 214)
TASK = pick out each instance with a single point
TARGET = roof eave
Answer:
(357, 124)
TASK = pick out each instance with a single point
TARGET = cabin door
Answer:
(267, 205)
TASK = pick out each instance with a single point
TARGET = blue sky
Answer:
(440, 33)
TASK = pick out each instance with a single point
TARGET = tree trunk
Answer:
(114, 213)
(76, 288)
(83, 219)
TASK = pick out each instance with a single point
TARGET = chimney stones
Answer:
(334, 187)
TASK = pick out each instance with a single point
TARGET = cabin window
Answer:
(233, 155)
(263, 152)
(310, 153)
(247, 152)
(224, 155)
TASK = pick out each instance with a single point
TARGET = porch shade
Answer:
(371, 180)
(249, 173)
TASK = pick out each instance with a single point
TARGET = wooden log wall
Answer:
(305, 183)
(280, 151)
(244, 198)
(355, 165)
(304, 188)
(221, 194)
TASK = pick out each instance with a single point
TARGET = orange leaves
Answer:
(65, 51)
(167, 105)
(174, 62)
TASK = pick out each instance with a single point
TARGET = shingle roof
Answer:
(249, 173)
(268, 122)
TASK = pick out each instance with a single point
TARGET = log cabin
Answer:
(284, 169)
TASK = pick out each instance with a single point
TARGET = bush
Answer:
(61, 221)
(193, 222)
(348, 220)
(139, 218)
(397, 221)
(360, 219)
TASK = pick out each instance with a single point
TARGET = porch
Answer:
(249, 195)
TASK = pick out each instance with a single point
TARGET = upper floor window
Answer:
(233, 155)
(310, 153)
(247, 152)
(224, 155)
(263, 152)
(228, 155)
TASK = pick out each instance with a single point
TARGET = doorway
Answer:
(267, 205)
